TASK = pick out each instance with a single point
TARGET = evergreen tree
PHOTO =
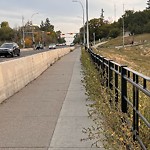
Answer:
(46, 26)
(42, 25)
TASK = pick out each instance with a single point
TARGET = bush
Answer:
(114, 33)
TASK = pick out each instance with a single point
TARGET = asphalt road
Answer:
(27, 52)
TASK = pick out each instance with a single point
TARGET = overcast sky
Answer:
(65, 15)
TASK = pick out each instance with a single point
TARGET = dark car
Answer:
(39, 46)
(10, 49)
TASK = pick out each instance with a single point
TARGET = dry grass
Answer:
(117, 133)
(136, 57)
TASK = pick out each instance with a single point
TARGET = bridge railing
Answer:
(129, 88)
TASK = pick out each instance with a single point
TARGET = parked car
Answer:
(52, 46)
(39, 46)
(10, 49)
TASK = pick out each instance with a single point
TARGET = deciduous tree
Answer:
(6, 33)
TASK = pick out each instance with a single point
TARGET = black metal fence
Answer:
(128, 85)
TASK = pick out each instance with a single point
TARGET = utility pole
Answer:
(123, 27)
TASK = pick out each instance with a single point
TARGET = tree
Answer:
(77, 38)
(114, 32)
(6, 33)
(135, 21)
(99, 27)
(42, 25)
(46, 26)
(4, 24)
(147, 27)
(59, 38)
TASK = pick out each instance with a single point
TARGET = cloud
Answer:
(63, 13)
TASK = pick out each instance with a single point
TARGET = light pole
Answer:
(83, 19)
(87, 24)
(33, 40)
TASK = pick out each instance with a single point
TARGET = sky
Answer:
(65, 15)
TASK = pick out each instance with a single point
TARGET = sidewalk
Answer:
(49, 113)
(101, 43)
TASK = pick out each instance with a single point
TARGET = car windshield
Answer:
(7, 45)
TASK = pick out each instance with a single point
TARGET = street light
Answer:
(83, 18)
(87, 24)
(33, 40)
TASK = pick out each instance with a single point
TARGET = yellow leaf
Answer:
(121, 139)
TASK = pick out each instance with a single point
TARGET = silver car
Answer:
(52, 46)
(10, 49)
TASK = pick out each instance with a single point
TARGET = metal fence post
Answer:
(136, 106)
(110, 73)
(123, 90)
(110, 79)
(103, 71)
(99, 62)
(116, 85)
(107, 73)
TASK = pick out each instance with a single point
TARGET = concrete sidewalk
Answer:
(49, 113)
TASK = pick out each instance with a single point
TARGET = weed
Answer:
(107, 117)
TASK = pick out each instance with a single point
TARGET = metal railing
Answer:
(120, 79)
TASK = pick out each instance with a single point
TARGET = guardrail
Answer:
(120, 79)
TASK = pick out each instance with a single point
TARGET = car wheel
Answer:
(18, 54)
(12, 54)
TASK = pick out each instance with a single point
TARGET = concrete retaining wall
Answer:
(16, 74)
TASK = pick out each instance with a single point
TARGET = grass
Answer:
(138, 39)
(118, 134)
(136, 57)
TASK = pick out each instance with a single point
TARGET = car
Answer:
(52, 46)
(71, 44)
(10, 49)
(39, 46)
